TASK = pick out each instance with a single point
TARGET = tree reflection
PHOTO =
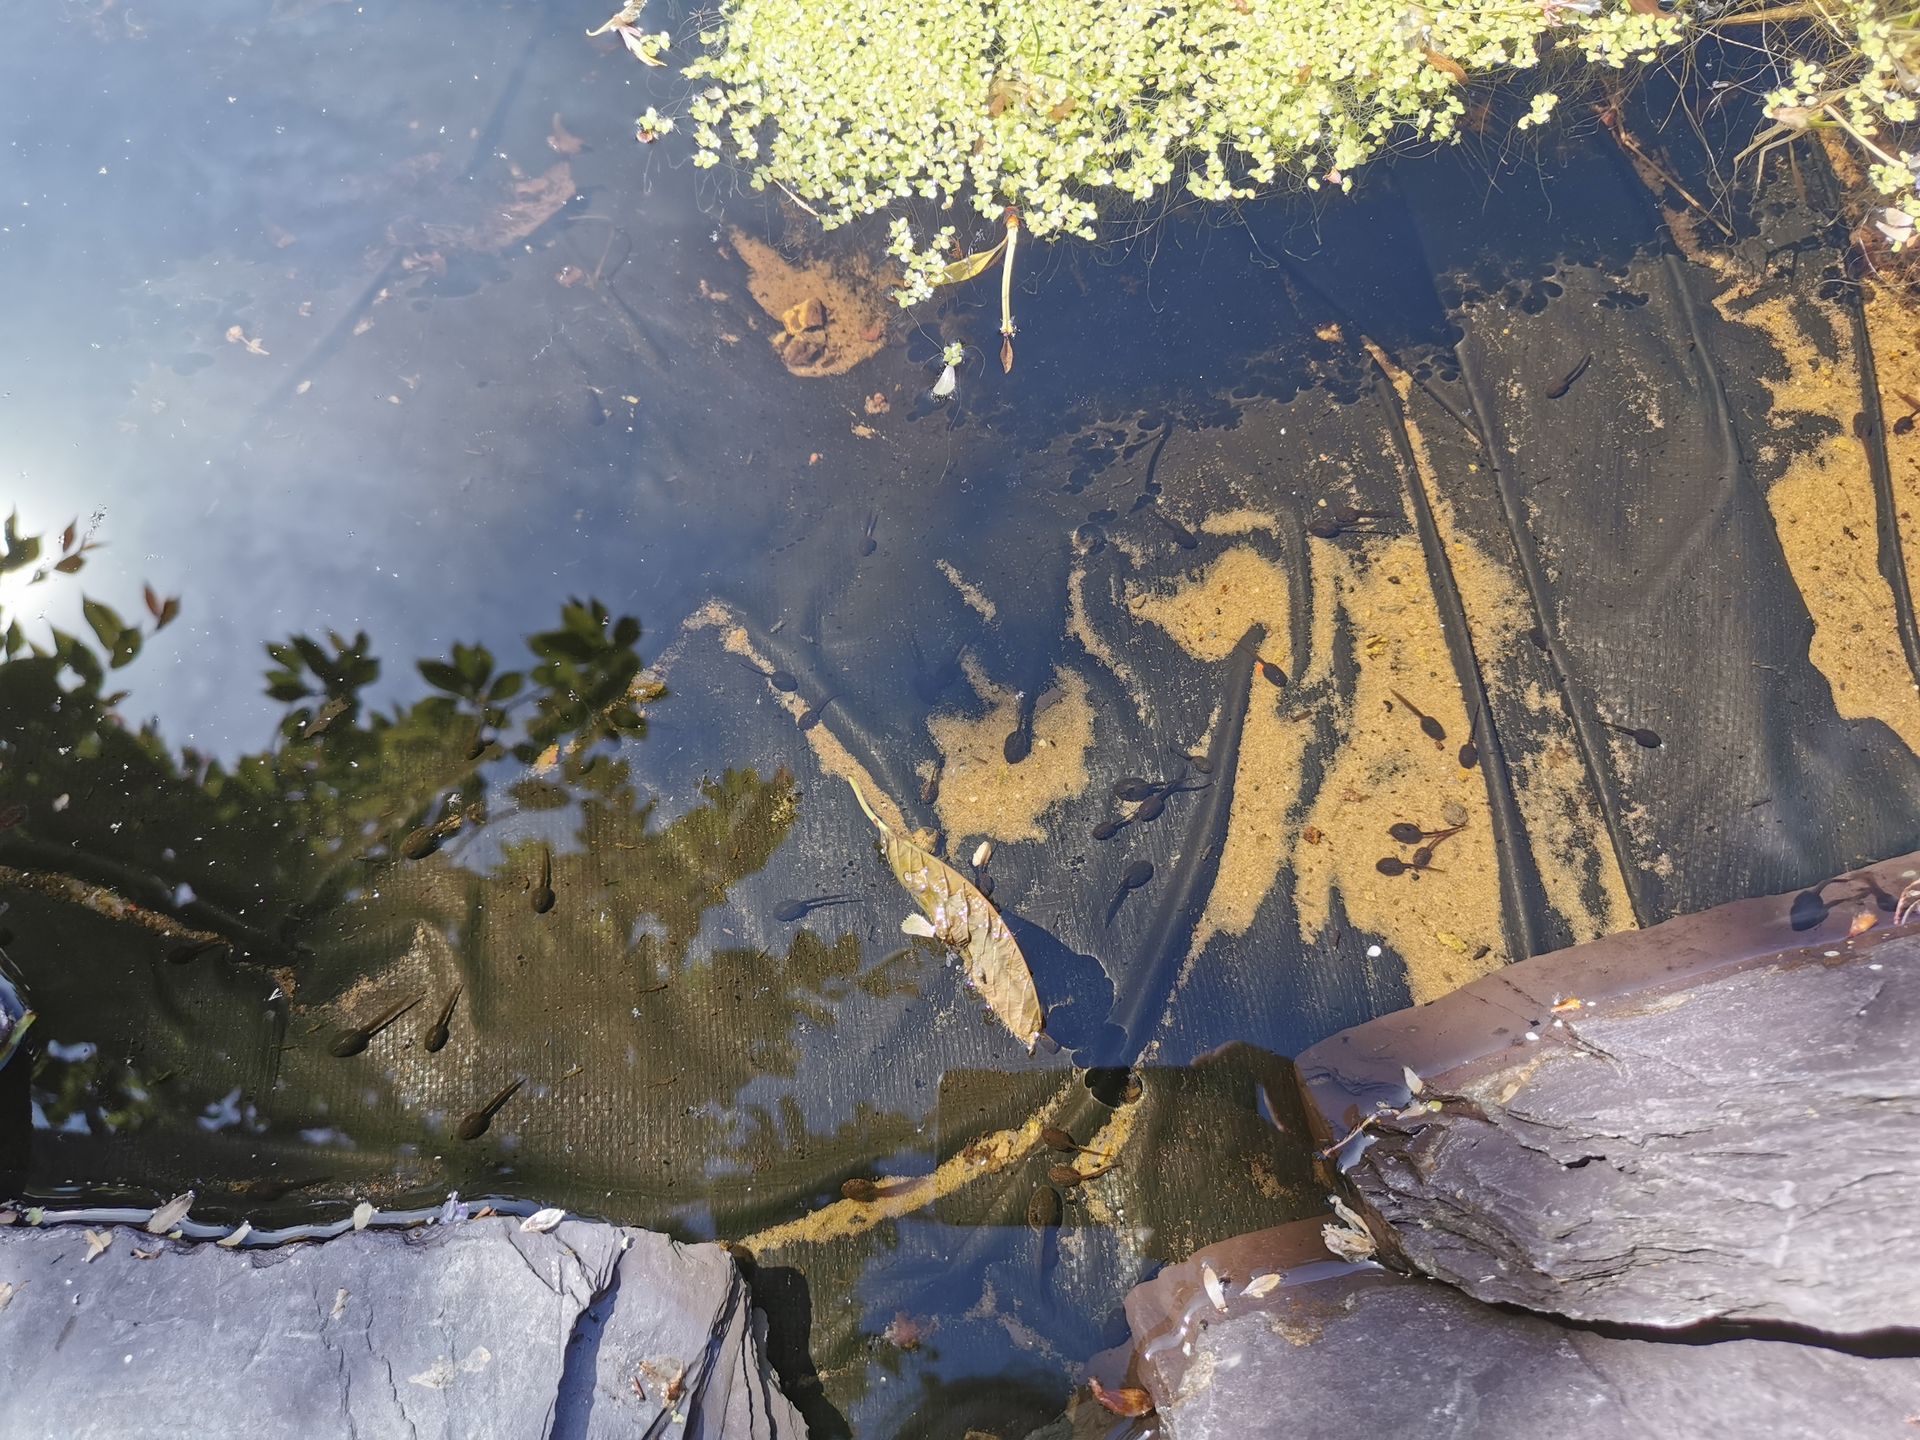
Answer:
(216, 923)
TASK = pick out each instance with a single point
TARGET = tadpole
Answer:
(1646, 739)
(1138, 874)
(1019, 742)
(1107, 829)
(867, 545)
(1182, 536)
(1429, 726)
(182, 954)
(1407, 833)
(475, 1125)
(1134, 788)
(1055, 1138)
(543, 896)
(1273, 674)
(1469, 755)
(795, 909)
(863, 1191)
(349, 1043)
(436, 1040)
(1390, 865)
(266, 1191)
(1565, 384)
(1068, 1176)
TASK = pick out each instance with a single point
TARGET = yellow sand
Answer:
(980, 793)
(1824, 513)
(1446, 925)
(856, 301)
(1566, 826)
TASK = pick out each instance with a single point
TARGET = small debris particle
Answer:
(232, 1242)
(362, 1214)
(303, 387)
(97, 1243)
(339, 1304)
(237, 336)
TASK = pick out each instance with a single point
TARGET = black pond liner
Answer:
(693, 1063)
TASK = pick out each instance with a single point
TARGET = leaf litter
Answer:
(961, 917)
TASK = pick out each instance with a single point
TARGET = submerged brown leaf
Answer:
(960, 916)
(1124, 1400)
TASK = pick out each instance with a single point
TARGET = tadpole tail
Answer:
(1138, 1010)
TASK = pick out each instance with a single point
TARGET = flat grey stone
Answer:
(1342, 1351)
(1726, 1126)
(477, 1329)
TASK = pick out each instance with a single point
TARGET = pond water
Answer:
(374, 337)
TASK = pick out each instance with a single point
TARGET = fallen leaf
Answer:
(1313, 835)
(1415, 1085)
(982, 853)
(9, 1217)
(1261, 1285)
(232, 1242)
(1451, 941)
(1216, 1292)
(944, 385)
(968, 266)
(642, 46)
(97, 1243)
(140, 1254)
(1126, 1400)
(1862, 923)
(6, 1294)
(362, 1214)
(918, 925)
(1447, 66)
(170, 1214)
(960, 916)
(561, 141)
(1572, 1002)
(1006, 355)
(542, 1221)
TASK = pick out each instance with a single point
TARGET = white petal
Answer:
(982, 853)
(543, 1220)
(1216, 1292)
(1262, 1285)
(944, 385)
(918, 924)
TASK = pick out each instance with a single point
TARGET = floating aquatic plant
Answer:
(1065, 109)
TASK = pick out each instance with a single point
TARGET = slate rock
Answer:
(1344, 1351)
(476, 1329)
(1720, 1122)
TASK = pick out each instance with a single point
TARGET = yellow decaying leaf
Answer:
(970, 266)
(960, 916)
